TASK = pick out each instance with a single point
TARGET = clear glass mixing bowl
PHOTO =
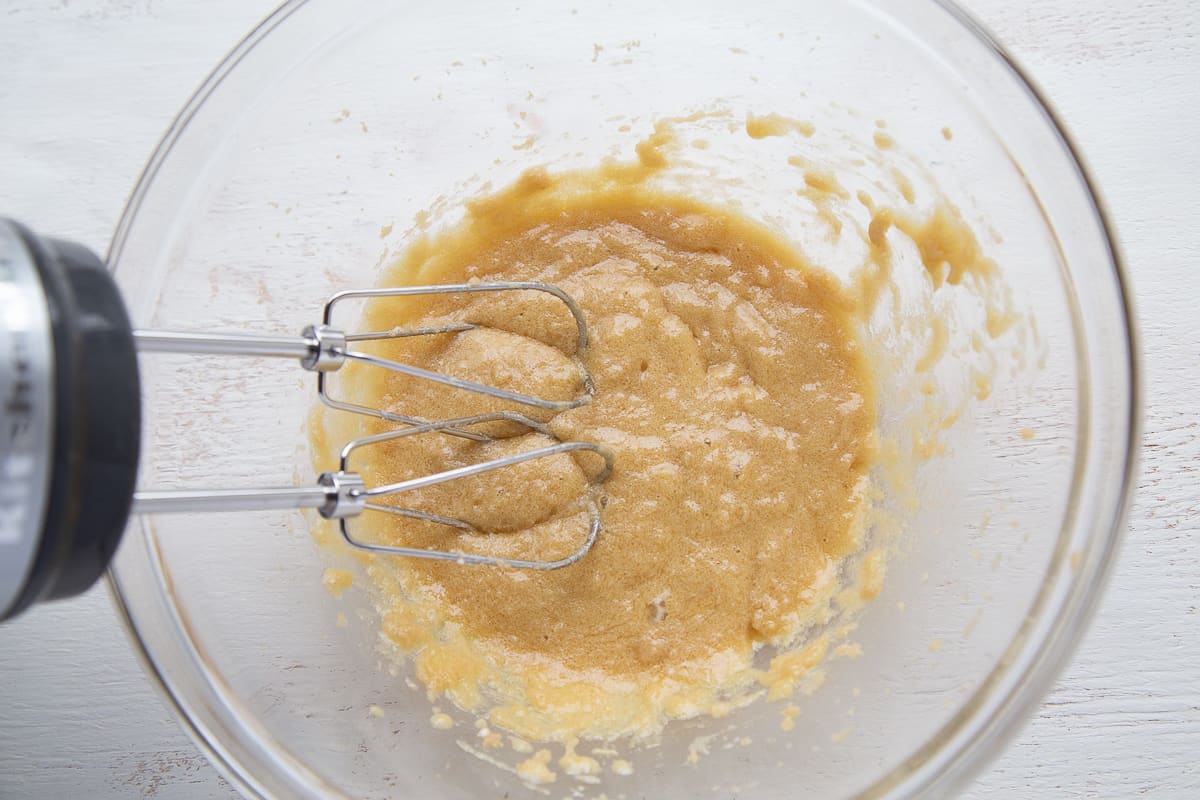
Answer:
(335, 119)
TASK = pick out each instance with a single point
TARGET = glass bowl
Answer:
(294, 172)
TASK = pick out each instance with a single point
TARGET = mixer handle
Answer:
(70, 418)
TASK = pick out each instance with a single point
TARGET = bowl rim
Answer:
(950, 758)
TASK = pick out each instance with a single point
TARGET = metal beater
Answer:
(343, 495)
(70, 418)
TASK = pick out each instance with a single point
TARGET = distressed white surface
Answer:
(88, 86)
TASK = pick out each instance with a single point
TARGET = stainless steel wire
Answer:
(343, 495)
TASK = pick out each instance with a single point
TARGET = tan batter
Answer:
(732, 387)
(729, 384)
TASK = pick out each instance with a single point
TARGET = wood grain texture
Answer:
(89, 87)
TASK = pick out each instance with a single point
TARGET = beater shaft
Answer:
(224, 344)
(271, 499)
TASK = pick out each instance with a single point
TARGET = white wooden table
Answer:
(88, 86)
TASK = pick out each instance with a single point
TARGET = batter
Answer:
(732, 388)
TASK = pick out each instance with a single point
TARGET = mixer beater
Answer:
(71, 421)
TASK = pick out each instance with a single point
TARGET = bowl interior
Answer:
(311, 158)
